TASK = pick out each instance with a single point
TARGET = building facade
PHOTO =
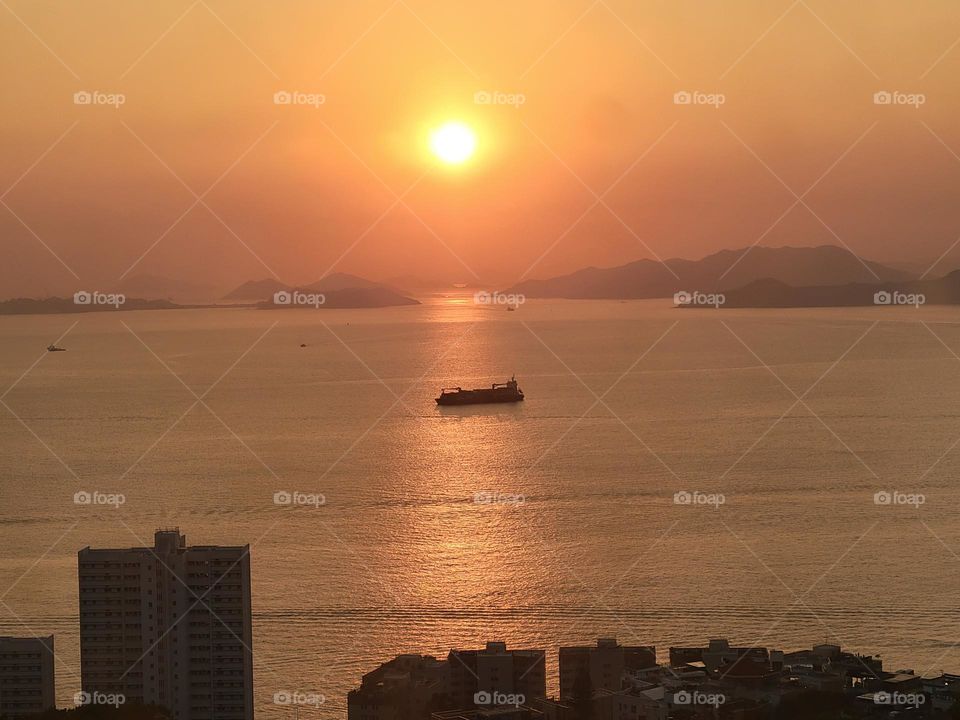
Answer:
(493, 683)
(604, 664)
(409, 687)
(483, 676)
(27, 681)
(169, 625)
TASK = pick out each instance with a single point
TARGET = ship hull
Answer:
(479, 397)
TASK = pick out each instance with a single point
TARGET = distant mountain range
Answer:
(769, 293)
(758, 277)
(338, 290)
(51, 305)
(720, 272)
(156, 287)
(263, 290)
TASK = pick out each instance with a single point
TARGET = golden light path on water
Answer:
(403, 557)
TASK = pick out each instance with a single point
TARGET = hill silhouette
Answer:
(722, 271)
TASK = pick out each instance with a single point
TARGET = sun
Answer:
(453, 143)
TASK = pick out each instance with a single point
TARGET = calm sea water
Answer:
(402, 558)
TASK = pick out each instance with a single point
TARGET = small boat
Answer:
(511, 308)
(53, 348)
(496, 393)
(303, 344)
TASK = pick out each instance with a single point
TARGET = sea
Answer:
(775, 477)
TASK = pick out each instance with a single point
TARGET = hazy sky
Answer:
(298, 190)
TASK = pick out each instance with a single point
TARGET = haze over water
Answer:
(402, 557)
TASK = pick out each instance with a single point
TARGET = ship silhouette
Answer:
(497, 393)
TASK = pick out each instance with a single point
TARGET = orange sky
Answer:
(301, 190)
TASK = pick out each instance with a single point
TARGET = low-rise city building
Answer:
(602, 666)
(496, 675)
(629, 704)
(494, 713)
(943, 691)
(409, 687)
(492, 683)
(598, 683)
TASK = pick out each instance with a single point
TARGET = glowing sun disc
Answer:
(453, 142)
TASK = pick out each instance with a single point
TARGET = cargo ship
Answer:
(496, 393)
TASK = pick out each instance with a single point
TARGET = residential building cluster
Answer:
(610, 681)
(168, 625)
